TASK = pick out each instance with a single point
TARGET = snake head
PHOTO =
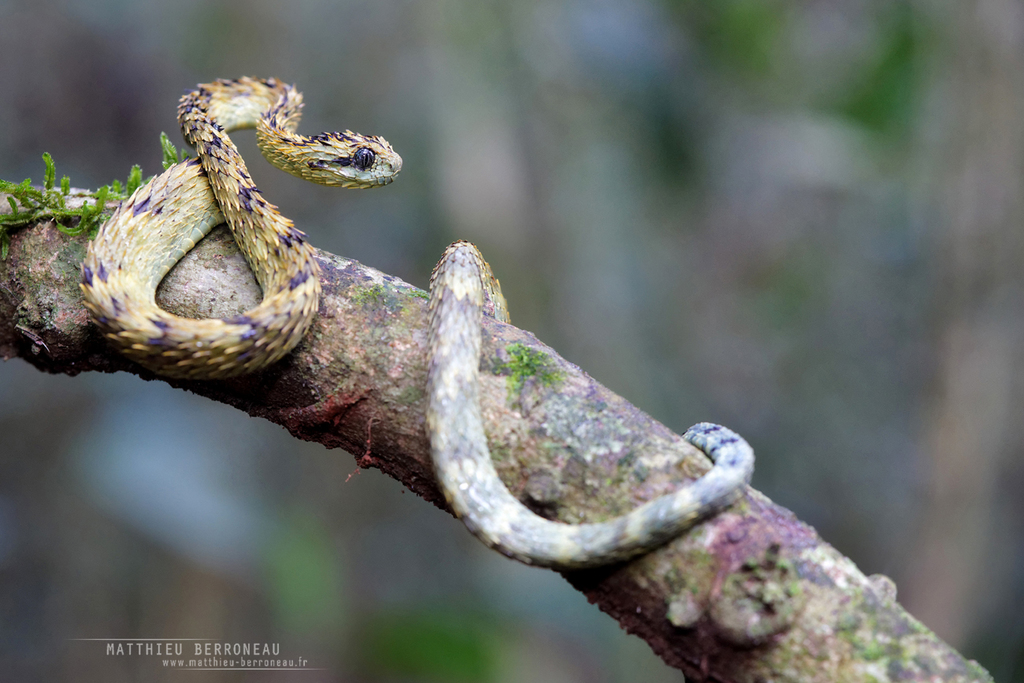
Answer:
(339, 159)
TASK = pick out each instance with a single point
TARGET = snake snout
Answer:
(396, 165)
(391, 167)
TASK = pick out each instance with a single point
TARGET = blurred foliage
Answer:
(789, 292)
(742, 35)
(305, 578)
(443, 645)
(886, 92)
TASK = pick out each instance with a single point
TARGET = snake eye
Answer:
(364, 158)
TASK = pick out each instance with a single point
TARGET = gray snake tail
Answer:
(467, 476)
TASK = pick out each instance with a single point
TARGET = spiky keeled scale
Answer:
(459, 289)
(162, 220)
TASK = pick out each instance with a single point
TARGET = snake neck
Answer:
(206, 115)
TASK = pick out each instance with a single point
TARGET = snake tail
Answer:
(467, 476)
(162, 220)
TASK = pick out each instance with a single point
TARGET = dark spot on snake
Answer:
(239, 320)
(298, 279)
(364, 158)
(317, 164)
(297, 235)
(215, 142)
(286, 239)
(117, 305)
(158, 210)
(343, 161)
(102, 272)
(161, 324)
(87, 276)
(247, 194)
(140, 206)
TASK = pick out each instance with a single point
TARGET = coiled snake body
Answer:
(153, 229)
(161, 221)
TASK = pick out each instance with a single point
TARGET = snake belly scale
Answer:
(161, 221)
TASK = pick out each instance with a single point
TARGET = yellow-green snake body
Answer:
(162, 220)
(154, 228)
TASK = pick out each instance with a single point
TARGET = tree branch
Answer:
(752, 594)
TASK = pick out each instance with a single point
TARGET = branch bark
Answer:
(752, 594)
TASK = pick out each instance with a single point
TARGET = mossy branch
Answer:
(30, 204)
(750, 594)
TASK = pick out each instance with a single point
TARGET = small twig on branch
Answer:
(752, 594)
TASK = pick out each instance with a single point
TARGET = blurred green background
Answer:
(798, 219)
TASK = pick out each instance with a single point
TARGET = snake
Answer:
(151, 230)
(462, 289)
(162, 220)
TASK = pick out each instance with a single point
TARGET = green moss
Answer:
(30, 204)
(978, 671)
(419, 294)
(761, 600)
(500, 452)
(848, 622)
(872, 652)
(411, 394)
(370, 295)
(524, 363)
(171, 154)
